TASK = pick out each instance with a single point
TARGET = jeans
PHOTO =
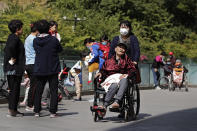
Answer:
(156, 76)
(114, 88)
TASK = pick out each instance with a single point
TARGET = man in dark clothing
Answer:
(47, 67)
(14, 62)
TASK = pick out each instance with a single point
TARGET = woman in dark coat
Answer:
(130, 40)
(14, 61)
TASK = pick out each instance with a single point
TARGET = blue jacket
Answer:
(135, 49)
(97, 55)
(47, 59)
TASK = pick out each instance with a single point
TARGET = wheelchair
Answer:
(129, 106)
(179, 79)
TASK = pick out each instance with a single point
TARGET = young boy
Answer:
(78, 82)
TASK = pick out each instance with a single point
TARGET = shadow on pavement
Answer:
(115, 119)
(183, 120)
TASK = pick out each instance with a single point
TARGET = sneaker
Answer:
(22, 103)
(29, 108)
(15, 114)
(11, 113)
(53, 115)
(89, 82)
(44, 104)
(158, 88)
(37, 114)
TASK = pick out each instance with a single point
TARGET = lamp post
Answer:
(76, 19)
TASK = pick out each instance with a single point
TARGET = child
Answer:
(26, 84)
(78, 82)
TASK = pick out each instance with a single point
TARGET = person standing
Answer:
(157, 63)
(14, 62)
(53, 30)
(78, 82)
(130, 40)
(30, 59)
(47, 67)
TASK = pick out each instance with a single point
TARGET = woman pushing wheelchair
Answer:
(113, 76)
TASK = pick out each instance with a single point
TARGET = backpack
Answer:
(105, 49)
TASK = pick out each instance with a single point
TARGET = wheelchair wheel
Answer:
(127, 115)
(186, 84)
(164, 83)
(134, 102)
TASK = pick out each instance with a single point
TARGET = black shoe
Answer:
(121, 115)
(78, 99)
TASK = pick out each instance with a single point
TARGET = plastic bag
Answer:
(68, 81)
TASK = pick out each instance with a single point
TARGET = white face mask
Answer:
(124, 31)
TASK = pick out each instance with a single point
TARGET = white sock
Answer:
(90, 76)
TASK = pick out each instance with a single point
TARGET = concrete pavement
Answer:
(160, 110)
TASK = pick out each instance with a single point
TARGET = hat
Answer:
(77, 67)
(170, 53)
(122, 46)
(178, 61)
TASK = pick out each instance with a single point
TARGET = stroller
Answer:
(61, 77)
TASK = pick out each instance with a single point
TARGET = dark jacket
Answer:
(14, 49)
(47, 59)
(111, 66)
(134, 48)
(157, 62)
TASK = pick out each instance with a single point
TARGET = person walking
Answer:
(14, 62)
(29, 65)
(47, 67)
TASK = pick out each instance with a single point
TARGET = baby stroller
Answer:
(179, 78)
(61, 77)
(130, 103)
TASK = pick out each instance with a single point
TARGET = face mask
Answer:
(168, 63)
(124, 31)
(104, 43)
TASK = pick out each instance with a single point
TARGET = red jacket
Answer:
(111, 66)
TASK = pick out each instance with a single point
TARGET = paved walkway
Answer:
(161, 110)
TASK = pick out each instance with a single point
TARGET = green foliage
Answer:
(160, 25)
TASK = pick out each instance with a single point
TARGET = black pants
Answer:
(14, 83)
(30, 100)
(53, 85)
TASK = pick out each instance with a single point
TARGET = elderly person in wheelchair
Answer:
(113, 76)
